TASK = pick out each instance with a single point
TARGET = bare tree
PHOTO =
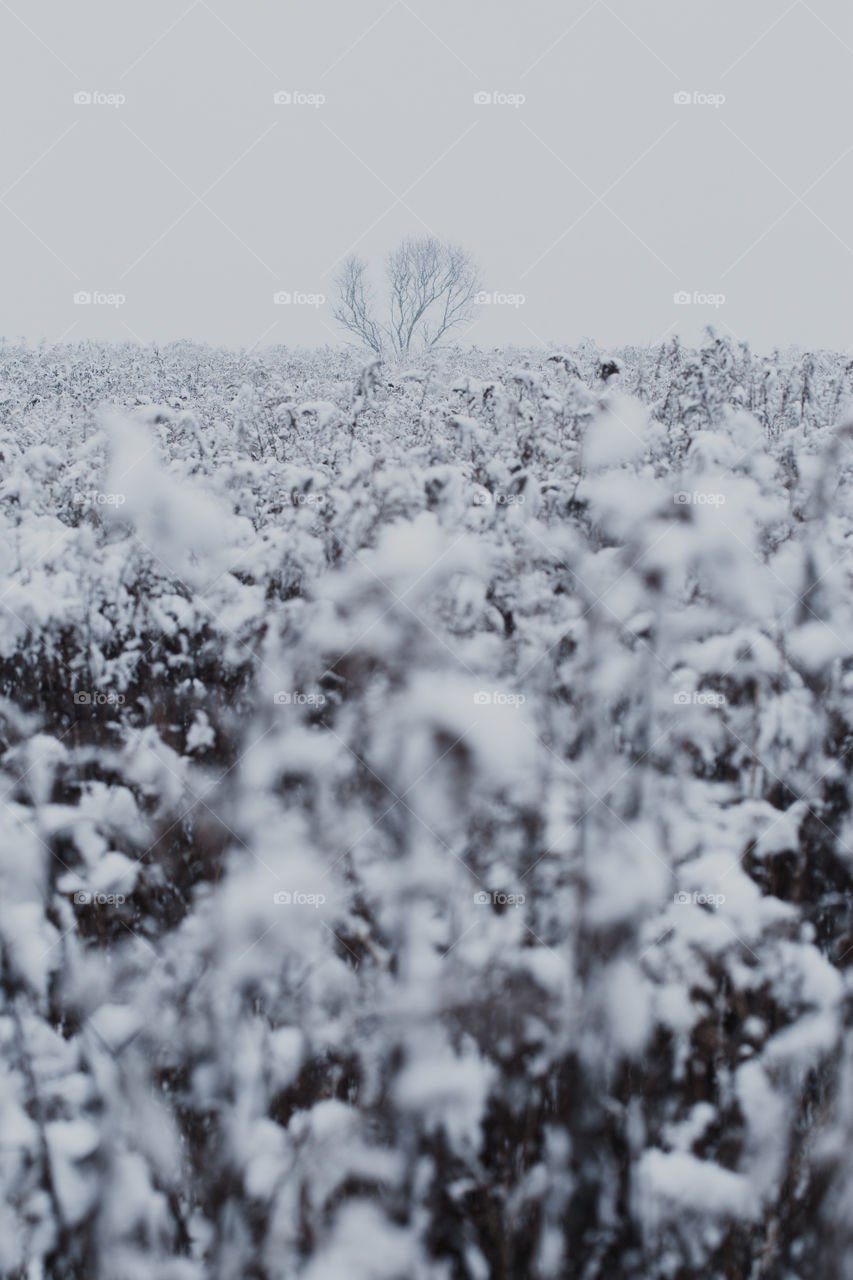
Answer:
(354, 309)
(432, 288)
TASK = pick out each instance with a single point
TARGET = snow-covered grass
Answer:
(424, 836)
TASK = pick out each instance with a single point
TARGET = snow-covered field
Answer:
(425, 846)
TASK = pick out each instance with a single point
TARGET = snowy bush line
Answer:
(425, 808)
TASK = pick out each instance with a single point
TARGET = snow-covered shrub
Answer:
(424, 801)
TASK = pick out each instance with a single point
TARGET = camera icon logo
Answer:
(482, 899)
(681, 699)
(82, 298)
(282, 98)
(83, 98)
(282, 898)
(282, 298)
(83, 898)
(682, 298)
(82, 698)
(483, 298)
(681, 499)
(682, 899)
(681, 99)
(282, 698)
(482, 99)
(482, 699)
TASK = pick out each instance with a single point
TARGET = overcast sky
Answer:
(596, 199)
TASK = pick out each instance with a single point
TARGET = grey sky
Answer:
(597, 199)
